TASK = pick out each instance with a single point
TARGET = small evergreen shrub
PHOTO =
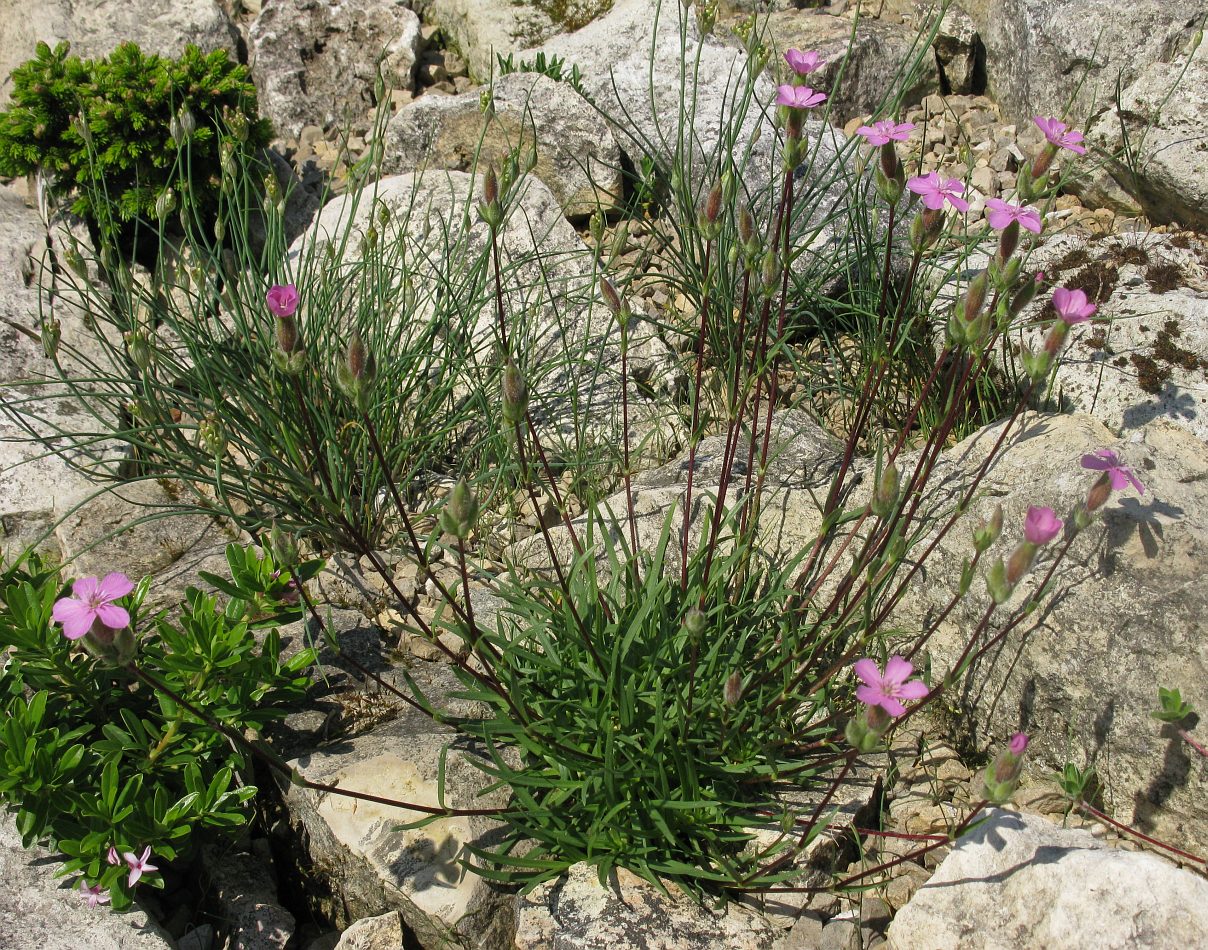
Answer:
(108, 132)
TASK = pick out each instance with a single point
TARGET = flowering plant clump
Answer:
(653, 681)
(116, 773)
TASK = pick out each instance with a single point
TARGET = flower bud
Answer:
(1025, 294)
(75, 260)
(864, 732)
(746, 227)
(52, 332)
(282, 547)
(211, 436)
(460, 512)
(289, 355)
(165, 203)
(997, 585)
(1021, 561)
(515, 394)
(885, 495)
(986, 533)
(1008, 241)
(595, 227)
(186, 122)
(490, 186)
(355, 376)
(1001, 776)
(1036, 365)
(771, 271)
(732, 690)
(138, 345)
(975, 296)
(712, 208)
(694, 621)
(1099, 493)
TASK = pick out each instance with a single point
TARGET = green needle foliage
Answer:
(107, 132)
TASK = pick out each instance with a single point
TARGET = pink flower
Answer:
(1060, 134)
(803, 63)
(1072, 305)
(1041, 525)
(94, 895)
(112, 856)
(1001, 213)
(93, 601)
(1018, 744)
(798, 97)
(282, 299)
(1105, 460)
(138, 866)
(885, 131)
(886, 691)
(935, 191)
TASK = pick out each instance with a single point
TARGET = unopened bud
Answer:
(746, 227)
(712, 208)
(515, 394)
(355, 376)
(460, 512)
(1021, 561)
(885, 496)
(694, 621)
(1099, 493)
(986, 533)
(1025, 294)
(865, 731)
(52, 332)
(771, 270)
(732, 691)
(997, 584)
(282, 547)
(1001, 776)
(139, 347)
(211, 435)
(1036, 365)
(975, 296)
(490, 186)
(165, 203)
(1008, 241)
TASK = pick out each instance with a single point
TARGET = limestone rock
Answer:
(576, 911)
(245, 900)
(1037, 50)
(577, 156)
(484, 30)
(386, 932)
(1163, 113)
(97, 27)
(1020, 881)
(39, 911)
(868, 66)
(1081, 676)
(101, 536)
(372, 867)
(317, 60)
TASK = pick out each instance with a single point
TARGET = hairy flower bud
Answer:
(746, 227)
(1021, 561)
(975, 296)
(460, 512)
(712, 209)
(997, 584)
(732, 690)
(864, 732)
(885, 495)
(1001, 776)
(211, 436)
(165, 203)
(986, 533)
(1036, 365)
(490, 186)
(355, 376)
(515, 394)
(138, 345)
(282, 546)
(694, 621)
(1099, 493)
(289, 355)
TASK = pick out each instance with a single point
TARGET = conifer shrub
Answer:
(108, 133)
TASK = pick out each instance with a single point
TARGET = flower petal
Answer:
(867, 670)
(75, 616)
(111, 615)
(892, 706)
(870, 695)
(915, 689)
(114, 586)
(85, 588)
(898, 670)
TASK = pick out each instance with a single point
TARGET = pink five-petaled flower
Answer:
(1060, 134)
(1072, 305)
(138, 866)
(1105, 460)
(1041, 525)
(803, 63)
(282, 299)
(93, 601)
(935, 191)
(94, 895)
(886, 691)
(1018, 744)
(1002, 213)
(799, 97)
(885, 131)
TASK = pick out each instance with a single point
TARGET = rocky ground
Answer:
(316, 875)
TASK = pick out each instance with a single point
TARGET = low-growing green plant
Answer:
(552, 66)
(107, 133)
(102, 765)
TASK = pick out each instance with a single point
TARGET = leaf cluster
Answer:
(103, 129)
(93, 758)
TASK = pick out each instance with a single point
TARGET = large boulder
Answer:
(370, 866)
(41, 911)
(485, 29)
(577, 156)
(318, 62)
(1156, 135)
(1019, 881)
(1081, 675)
(97, 27)
(1037, 50)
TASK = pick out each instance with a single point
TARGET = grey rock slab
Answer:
(1163, 115)
(577, 156)
(41, 911)
(1038, 50)
(1020, 881)
(386, 932)
(575, 910)
(371, 865)
(1080, 675)
(858, 73)
(97, 27)
(244, 897)
(317, 61)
